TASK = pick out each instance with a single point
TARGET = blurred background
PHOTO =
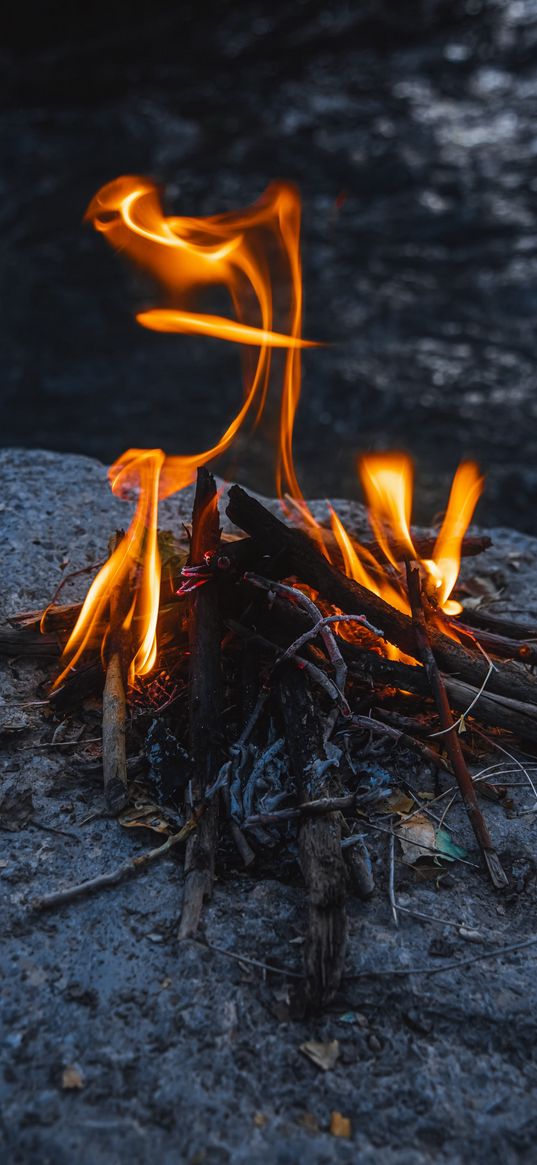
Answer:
(411, 130)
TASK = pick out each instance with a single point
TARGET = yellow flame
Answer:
(466, 490)
(387, 482)
(243, 251)
(134, 563)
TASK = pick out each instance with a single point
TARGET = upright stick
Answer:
(321, 857)
(453, 745)
(115, 698)
(205, 707)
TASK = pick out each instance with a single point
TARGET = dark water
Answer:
(411, 130)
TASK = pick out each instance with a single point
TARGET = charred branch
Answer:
(205, 707)
(453, 745)
(321, 858)
(308, 564)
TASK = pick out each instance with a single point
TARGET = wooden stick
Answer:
(501, 646)
(31, 643)
(499, 624)
(245, 553)
(205, 707)
(102, 881)
(491, 709)
(115, 696)
(464, 780)
(310, 567)
(321, 858)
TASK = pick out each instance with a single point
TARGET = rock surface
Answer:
(121, 1045)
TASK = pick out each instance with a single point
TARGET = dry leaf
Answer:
(72, 1077)
(324, 1056)
(340, 1126)
(260, 1120)
(417, 838)
(398, 802)
(145, 815)
(420, 838)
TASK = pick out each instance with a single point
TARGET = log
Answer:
(205, 708)
(491, 710)
(321, 858)
(31, 643)
(310, 567)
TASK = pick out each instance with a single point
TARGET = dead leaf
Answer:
(260, 1120)
(480, 587)
(398, 802)
(323, 1055)
(72, 1077)
(340, 1126)
(417, 838)
(145, 815)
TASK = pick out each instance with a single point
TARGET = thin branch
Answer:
(438, 689)
(103, 881)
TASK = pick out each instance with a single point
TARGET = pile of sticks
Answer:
(305, 694)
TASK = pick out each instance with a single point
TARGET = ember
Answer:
(317, 641)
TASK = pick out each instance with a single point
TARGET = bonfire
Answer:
(320, 643)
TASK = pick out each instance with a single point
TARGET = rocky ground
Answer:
(119, 1044)
(409, 126)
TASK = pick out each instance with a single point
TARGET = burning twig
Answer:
(514, 716)
(309, 565)
(468, 793)
(205, 707)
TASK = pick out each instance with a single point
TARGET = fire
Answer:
(387, 481)
(186, 256)
(243, 251)
(465, 492)
(135, 565)
(247, 253)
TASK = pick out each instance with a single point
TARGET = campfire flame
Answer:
(387, 482)
(244, 252)
(134, 564)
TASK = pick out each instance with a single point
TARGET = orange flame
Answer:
(241, 251)
(189, 255)
(135, 563)
(465, 492)
(387, 480)
(186, 256)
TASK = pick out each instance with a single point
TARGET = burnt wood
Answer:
(308, 564)
(205, 708)
(321, 858)
(452, 742)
